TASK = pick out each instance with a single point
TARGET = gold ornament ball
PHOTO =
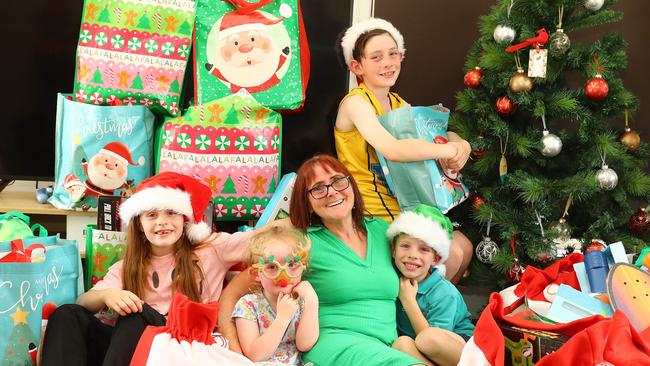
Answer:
(630, 139)
(520, 82)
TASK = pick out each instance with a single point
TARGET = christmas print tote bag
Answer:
(26, 287)
(233, 146)
(427, 181)
(103, 249)
(134, 52)
(258, 46)
(99, 150)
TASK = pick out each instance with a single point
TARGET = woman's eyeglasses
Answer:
(320, 191)
(272, 269)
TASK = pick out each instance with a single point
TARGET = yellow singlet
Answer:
(361, 160)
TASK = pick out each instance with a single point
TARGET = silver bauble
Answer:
(486, 249)
(503, 34)
(594, 5)
(551, 144)
(558, 43)
(607, 178)
(562, 229)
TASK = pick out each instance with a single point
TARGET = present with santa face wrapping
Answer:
(99, 151)
(258, 46)
(134, 52)
(233, 146)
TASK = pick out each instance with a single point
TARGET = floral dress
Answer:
(257, 308)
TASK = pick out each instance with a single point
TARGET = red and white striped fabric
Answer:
(186, 339)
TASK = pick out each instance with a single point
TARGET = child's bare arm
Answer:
(308, 328)
(239, 286)
(121, 301)
(408, 288)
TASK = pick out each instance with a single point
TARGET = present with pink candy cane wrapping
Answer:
(233, 146)
(134, 52)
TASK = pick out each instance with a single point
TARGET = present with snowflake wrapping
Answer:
(103, 249)
(233, 146)
(134, 52)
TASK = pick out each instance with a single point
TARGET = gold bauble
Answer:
(630, 139)
(520, 82)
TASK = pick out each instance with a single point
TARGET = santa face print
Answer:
(338, 201)
(381, 62)
(413, 257)
(107, 172)
(249, 58)
(76, 192)
(163, 228)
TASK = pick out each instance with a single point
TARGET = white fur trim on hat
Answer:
(355, 31)
(285, 11)
(157, 198)
(197, 232)
(422, 228)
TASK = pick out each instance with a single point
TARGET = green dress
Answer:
(356, 300)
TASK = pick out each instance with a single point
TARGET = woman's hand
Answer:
(408, 288)
(306, 292)
(122, 302)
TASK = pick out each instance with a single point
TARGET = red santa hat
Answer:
(172, 191)
(120, 152)
(71, 180)
(355, 31)
(235, 22)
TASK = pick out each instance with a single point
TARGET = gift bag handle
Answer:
(245, 7)
(42, 231)
(15, 214)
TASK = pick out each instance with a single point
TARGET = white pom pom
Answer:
(141, 160)
(285, 11)
(442, 269)
(198, 232)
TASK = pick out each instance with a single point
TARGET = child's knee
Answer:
(429, 340)
(66, 313)
(403, 342)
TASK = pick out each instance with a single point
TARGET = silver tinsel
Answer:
(607, 178)
(503, 34)
(551, 144)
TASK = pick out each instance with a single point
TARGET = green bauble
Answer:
(558, 43)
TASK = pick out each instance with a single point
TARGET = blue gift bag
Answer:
(26, 287)
(418, 182)
(100, 150)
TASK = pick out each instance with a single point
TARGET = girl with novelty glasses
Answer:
(279, 322)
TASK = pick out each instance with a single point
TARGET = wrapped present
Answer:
(524, 347)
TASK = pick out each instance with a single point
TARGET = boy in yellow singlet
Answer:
(373, 50)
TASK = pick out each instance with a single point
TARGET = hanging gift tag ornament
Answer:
(537, 63)
(630, 139)
(486, 249)
(472, 78)
(594, 5)
(504, 106)
(503, 163)
(639, 222)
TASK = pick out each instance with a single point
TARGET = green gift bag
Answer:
(103, 249)
(258, 46)
(134, 52)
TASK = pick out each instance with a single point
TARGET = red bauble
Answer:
(472, 78)
(504, 106)
(477, 201)
(596, 88)
(639, 222)
(515, 272)
(477, 154)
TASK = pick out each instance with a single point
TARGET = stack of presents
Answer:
(127, 119)
(580, 310)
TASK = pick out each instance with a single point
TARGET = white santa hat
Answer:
(355, 31)
(428, 224)
(235, 22)
(120, 152)
(71, 180)
(172, 191)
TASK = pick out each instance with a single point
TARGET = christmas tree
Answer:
(21, 344)
(137, 82)
(104, 16)
(144, 22)
(231, 116)
(229, 187)
(552, 165)
(174, 87)
(272, 186)
(97, 76)
(185, 28)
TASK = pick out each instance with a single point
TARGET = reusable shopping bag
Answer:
(426, 181)
(26, 287)
(103, 249)
(233, 146)
(134, 52)
(258, 46)
(15, 225)
(99, 150)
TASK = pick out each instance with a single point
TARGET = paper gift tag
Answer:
(537, 63)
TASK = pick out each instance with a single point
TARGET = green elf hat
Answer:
(428, 224)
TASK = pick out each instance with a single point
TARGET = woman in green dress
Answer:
(351, 271)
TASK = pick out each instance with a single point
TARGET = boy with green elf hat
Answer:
(432, 318)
